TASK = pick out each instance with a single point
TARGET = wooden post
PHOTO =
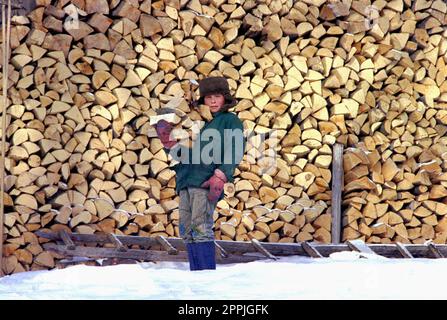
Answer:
(6, 29)
(337, 189)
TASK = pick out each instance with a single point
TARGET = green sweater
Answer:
(220, 145)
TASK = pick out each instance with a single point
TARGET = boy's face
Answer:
(214, 101)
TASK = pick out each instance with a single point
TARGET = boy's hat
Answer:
(213, 85)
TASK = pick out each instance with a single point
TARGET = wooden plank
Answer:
(142, 255)
(221, 250)
(433, 249)
(242, 247)
(310, 250)
(118, 244)
(102, 239)
(262, 250)
(166, 245)
(92, 252)
(230, 247)
(360, 246)
(67, 240)
(403, 250)
(337, 189)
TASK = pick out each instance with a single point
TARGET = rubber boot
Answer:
(206, 255)
(192, 256)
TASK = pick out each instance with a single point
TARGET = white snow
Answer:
(344, 275)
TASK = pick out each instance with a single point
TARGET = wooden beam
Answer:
(360, 246)
(242, 247)
(69, 244)
(143, 255)
(337, 189)
(221, 250)
(310, 250)
(258, 246)
(118, 244)
(436, 252)
(403, 250)
(166, 245)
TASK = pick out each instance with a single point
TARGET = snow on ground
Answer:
(344, 275)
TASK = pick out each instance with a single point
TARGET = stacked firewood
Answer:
(395, 173)
(87, 75)
(304, 220)
(397, 195)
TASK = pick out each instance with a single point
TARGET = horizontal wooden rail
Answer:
(240, 247)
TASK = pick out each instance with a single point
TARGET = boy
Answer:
(204, 169)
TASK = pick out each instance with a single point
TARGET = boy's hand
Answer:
(216, 185)
(164, 130)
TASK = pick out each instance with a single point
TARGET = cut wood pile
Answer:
(398, 195)
(395, 172)
(86, 75)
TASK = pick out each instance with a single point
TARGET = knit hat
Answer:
(213, 85)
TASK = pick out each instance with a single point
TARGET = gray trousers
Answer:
(196, 215)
